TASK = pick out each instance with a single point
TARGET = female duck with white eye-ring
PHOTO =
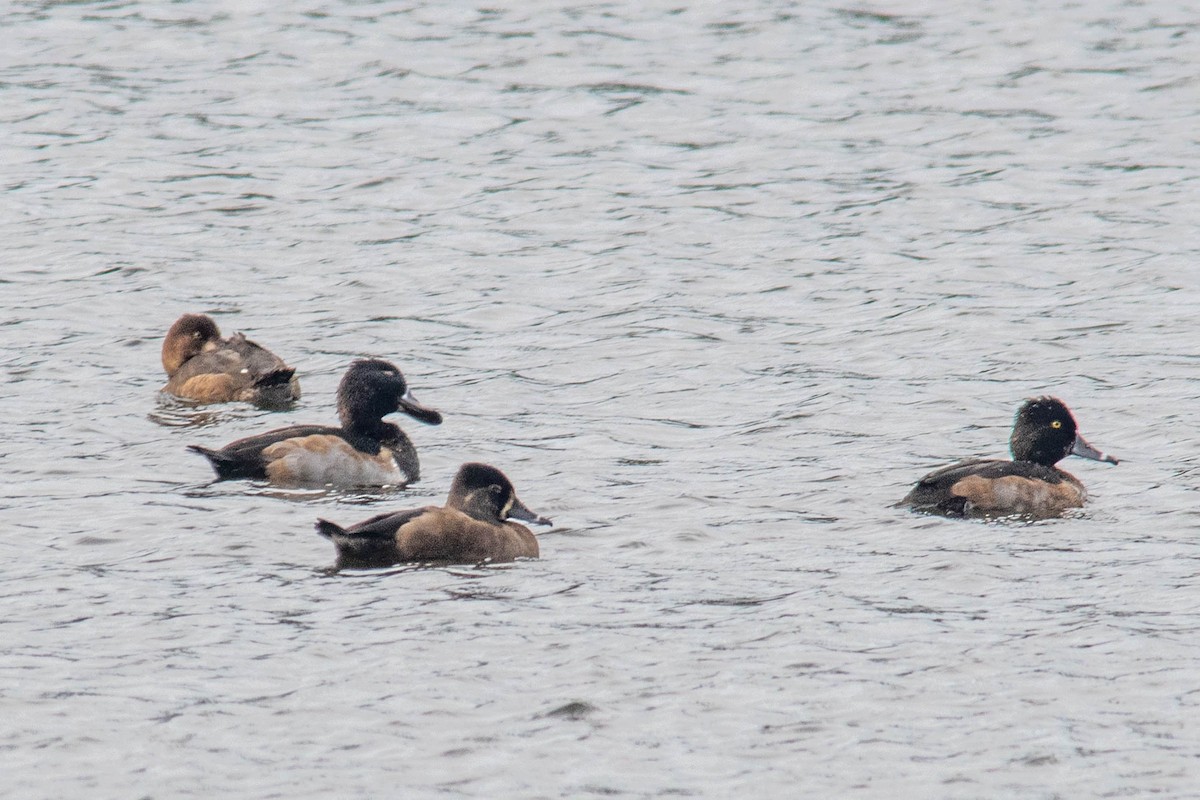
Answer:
(475, 526)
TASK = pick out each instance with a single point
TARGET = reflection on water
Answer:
(713, 286)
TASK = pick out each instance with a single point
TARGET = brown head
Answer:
(483, 492)
(186, 338)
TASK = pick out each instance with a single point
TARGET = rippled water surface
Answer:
(713, 286)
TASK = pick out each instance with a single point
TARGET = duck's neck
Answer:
(368, 435)
(373, 428)
(404, 453)
(1038, 456)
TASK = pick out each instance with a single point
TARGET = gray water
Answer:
(713, 286)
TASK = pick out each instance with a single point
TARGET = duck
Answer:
(1030, 485)
(364, 451)
(475, 526)
(203, 367)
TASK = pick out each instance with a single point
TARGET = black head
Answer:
(373, 388)
(1045, 432)
(485, 493)
(186, 338)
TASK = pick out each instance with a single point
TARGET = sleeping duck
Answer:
(202, 366)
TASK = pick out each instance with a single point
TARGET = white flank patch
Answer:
(326, 459)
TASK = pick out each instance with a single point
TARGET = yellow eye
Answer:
(1056, 424)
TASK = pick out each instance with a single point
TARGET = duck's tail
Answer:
(276, 377)
(225, 466)
(329, 529)
(213, 456)
(358, 548)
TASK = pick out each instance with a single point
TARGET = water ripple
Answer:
(713, 286)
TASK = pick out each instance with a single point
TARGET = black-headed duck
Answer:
(1044, 433)
(475, 525)
(202, 366)
(364, 451)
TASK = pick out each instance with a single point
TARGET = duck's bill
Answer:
(521, 512)
(1082, 449)
(410, 406)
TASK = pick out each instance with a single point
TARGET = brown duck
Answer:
(474, 526)
(202, 366)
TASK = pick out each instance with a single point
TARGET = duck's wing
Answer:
(935, 491)
(213, 376)
(386, 524)
(244, 458)
(932, 492)
(372, 542)
(991, 468)
(263, 367)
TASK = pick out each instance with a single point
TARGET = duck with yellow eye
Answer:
(1044, 433)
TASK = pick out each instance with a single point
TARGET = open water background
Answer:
(714, 286)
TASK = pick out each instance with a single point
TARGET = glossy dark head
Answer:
(373, 388)
(485, 493)
(1045, 432)
(186, 338)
